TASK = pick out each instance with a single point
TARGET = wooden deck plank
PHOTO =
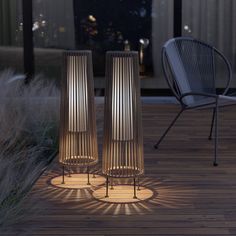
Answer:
(191, 197)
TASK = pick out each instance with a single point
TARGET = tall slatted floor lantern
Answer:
(78, 139)
(123, 139)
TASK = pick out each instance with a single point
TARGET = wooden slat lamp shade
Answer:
(78, 139)
(123, 139)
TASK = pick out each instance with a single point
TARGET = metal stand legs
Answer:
(216, 133)
(167, 130)
(212, 123)
(107, 186)
(138, 184)
(112, 184)
(63, 175)
(135, 196)
(69, 172)
(88, 175)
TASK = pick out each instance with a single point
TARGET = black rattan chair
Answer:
(191, 68)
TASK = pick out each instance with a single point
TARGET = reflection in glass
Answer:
(94, 25)
(11, 35)
(214, 22)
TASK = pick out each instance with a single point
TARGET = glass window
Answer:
(53, 30)
(213, 21)
(141, 25)
(11, 35)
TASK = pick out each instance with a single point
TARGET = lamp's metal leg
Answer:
(111, 181)
(88, 175)
(107, 186)
(216, 133)
(212, 124)
(63, 175)
(138, 184)
(135, 196)
(167, 130)
(69, 171)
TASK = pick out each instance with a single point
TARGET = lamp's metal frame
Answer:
(77, 64)
(130, 144)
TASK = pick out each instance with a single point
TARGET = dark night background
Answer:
(108, 31)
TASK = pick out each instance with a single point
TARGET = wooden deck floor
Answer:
(191, 197)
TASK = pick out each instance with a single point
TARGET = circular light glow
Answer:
(123, 194)
(77, 181)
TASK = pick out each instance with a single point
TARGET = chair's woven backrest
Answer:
(191, 65)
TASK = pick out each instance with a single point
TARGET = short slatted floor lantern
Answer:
(78, 139)
(123, 139)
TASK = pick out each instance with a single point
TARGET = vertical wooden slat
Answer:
(122, 146)
(78, 142)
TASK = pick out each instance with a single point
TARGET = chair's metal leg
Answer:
(216, 133)
(212, 124)
(94, 176)
(88, 175)
(107, 186)
(135, 196)
(167, 130)
(63, 174)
